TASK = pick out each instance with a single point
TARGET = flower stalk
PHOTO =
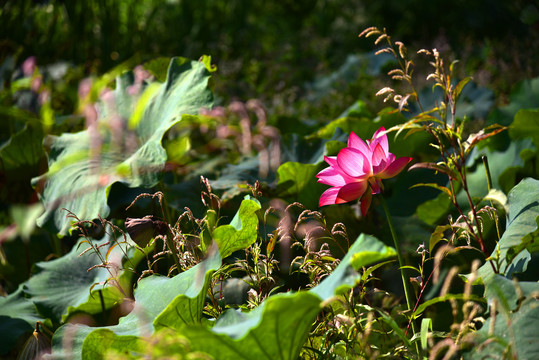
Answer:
(404, 272)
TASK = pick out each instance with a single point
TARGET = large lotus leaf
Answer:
(244, 172)
(517, 241)
(242, 230)
(524, 96)
(18, 260)
(18, 315)
(297, 181)
(368, 63)
(65, 283)
(22, 154)
(515, 326)
(154, 295)
(278, 328)
(110, 296)
(474, 102)
(503, 166)
(509, 293)
(21, 158)
(433, 210)
(125, 146)
(526, 124)
(364, 251)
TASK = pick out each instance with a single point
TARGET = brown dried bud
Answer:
(384, 91)
(369, 31)
(402, 49)
(143, 230)
(380, 39)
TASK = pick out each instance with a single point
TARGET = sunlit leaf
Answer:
(297, 182)
(521, 228)
(278, 328)
(435, 186)
(460, 85)
(65, 283)
(242, 230)
(372, 250)
(157, 302)
(426, 327)
(84, 165)
(437, 236)
(443, 169)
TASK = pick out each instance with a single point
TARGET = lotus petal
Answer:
(394, 168)
(351, 191)
(354, 163)
(356, 142)
(329, 196)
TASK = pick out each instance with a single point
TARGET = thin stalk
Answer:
(479, 235)
(489, 184)
(169, 238)
(404, 272)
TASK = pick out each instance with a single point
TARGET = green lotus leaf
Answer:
(18, 315)
(242, 230)
(526, 124)
(517, 242)
(60, 286)
(158, 300)
(514, 329)
(278, 328)
(124, 145)
(525, 95)
(297, 181)
(21, 158)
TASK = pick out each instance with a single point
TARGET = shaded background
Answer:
(272, 50)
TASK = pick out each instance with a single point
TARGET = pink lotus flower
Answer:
(357, 171)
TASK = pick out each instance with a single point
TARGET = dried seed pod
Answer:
(143, 230)
(37, 345)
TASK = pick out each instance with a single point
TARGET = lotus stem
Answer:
(404, 272)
